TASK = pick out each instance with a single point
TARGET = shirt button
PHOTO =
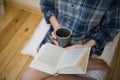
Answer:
(72, 5)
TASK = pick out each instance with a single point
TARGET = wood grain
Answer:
(10, 14)
(13, 38)
(12, 28)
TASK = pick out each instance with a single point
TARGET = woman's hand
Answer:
(54, 38)
(90, 43)
(74, 47)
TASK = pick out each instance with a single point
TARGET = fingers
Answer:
(55, 42)
(90, 43)
(74, 47)
(54, 39)
(53, 35)
(69, 48)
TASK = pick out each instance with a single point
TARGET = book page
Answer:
(71, 58)
(82, 63)
(49, 55)
(70, 70)
(41, 66)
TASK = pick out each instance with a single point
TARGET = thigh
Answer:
(63, 77)
(69, 77)
(32, 74)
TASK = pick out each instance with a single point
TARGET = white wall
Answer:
(34, 3)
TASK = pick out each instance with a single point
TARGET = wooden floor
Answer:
(16, 29)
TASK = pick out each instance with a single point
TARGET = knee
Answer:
(32, 74)
(25, 76)
(29, 74)
(97, 74)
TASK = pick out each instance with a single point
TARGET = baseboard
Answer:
(23, 6)
(2, 11)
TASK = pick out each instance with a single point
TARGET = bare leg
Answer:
(32, 74)
(69, 77)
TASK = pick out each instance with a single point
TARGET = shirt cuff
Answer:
(102, 38)
(97, 40)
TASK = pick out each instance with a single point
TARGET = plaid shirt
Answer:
(88, 19)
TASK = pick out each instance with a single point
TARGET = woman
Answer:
(93, 23)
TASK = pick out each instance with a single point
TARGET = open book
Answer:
(53, 59)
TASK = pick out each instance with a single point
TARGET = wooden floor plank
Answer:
(14, 61)
(11, 12)
(12, 28)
